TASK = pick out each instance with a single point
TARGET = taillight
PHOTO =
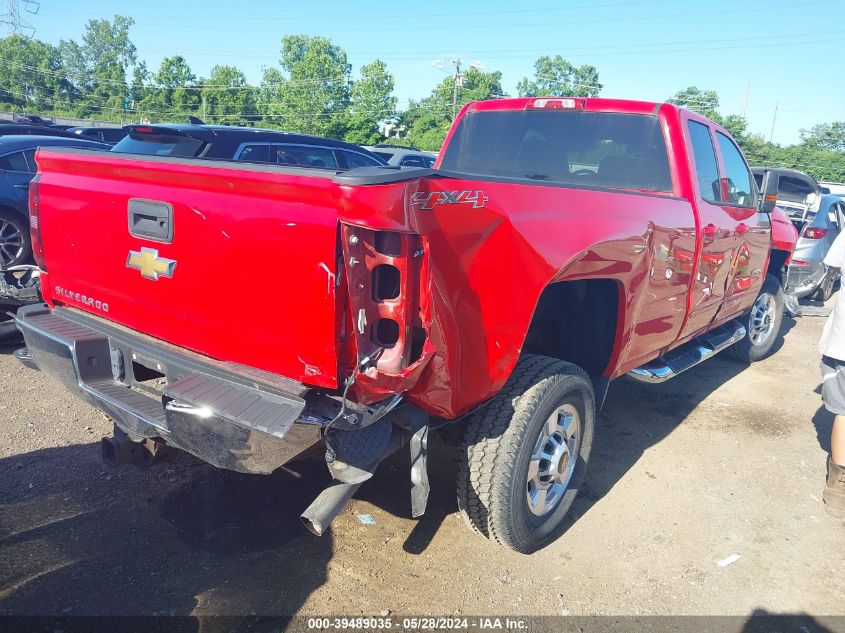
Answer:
(35, 224)
(814, 234)
(385, 271)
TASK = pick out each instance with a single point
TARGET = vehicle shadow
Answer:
(181, 538)
(637, 416)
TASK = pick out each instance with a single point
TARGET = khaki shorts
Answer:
(833, 385)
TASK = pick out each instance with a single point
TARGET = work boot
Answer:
(834, 492)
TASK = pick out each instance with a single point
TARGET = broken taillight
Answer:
(35, 224)
(385, 271)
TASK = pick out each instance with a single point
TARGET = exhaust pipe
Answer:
(327, 506)
(337, 494)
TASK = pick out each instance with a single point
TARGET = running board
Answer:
(689, 354)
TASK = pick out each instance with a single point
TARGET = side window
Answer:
(17, 162)
(30, 160)
(254, 153)
(705, 161)
(740, 188)
(413, 161)
(354, 159)
(303, 155)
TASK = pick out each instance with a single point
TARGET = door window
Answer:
(254, 153)
(16, 162)
(706, 169)
(413, 161)
(303, 155)
(740, 187)
(354, 159)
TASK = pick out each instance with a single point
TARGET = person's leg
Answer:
(837, 441)
(833, 394)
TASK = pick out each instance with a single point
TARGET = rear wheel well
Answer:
(6, 208)
(777, 265)
(575, 321)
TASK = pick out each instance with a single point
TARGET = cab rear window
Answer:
(603, 149)
(157, 144)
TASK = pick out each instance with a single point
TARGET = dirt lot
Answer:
(723, 460)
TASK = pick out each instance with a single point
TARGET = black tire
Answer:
(754, 346)
(493, 485)
(15, 245)
(825, 289)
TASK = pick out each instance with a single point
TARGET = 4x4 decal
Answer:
(427, 200)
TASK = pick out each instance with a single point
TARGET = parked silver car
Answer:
(403, 156)
(818, 218)
(807, 273)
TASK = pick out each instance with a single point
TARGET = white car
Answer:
(403, 156)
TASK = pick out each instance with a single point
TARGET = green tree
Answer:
(98, 67)
(311, 92)
(372, 102)
(174, 91)
(427, 121)
(32, 76)
(705, 102)
(556, 77)
(825, 136)
(226, 97)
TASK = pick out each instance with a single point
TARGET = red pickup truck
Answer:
(256, 314)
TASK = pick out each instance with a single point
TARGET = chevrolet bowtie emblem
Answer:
(150, 264)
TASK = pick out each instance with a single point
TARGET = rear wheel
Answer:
(825, 289)
(762, 323)
(14, 239)
(526, 453)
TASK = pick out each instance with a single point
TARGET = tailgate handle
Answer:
(151, 220)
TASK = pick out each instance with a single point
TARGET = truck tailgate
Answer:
(245, 271)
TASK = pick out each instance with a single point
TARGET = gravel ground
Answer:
(724, 460)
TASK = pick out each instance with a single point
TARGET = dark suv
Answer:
(17, 169)
(254, 145)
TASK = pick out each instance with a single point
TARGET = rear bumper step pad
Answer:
(228, 421)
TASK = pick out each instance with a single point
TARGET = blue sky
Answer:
(792, 53)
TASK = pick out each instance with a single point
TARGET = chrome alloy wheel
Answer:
(762, 320)
(553, 460)
(12, 243)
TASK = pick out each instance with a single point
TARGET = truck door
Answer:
(717, 240)
(753, 230)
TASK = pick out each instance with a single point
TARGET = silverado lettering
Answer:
(609, 238)
(81, 299)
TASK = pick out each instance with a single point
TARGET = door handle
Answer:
(710, 231)
(742, 228)
(22, 185)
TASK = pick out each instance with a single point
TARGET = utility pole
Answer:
(458, 82)
(11, 18)
(774, 118)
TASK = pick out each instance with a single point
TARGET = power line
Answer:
(12, 17)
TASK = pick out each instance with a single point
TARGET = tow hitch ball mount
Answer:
(120, 449)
